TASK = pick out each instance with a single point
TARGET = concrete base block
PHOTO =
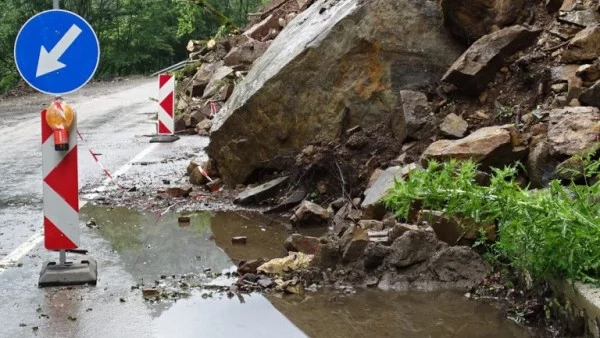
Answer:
(164, 139)
(76, 272)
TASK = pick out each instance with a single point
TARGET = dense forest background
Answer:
(136, 36)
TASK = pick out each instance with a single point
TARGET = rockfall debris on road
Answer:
(318, 107)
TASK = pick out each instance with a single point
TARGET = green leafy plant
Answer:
(553, 232)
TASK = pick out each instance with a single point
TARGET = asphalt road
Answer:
(113, 120)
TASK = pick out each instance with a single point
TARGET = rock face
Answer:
(333, 67)
(572, 130)
(478, 65)
(470, 20)
(491, 146)
(584, 46)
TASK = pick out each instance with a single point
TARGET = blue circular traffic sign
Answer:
(57, 52)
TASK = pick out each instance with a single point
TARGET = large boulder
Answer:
(472, 72)
(585, 46)
(490, 146)
(470, 20)
(335, 66)
(572, 130)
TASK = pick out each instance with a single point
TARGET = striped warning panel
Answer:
(60, 190)
(166, 103)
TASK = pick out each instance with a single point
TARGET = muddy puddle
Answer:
(149, 246)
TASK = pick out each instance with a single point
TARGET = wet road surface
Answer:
(134, 248)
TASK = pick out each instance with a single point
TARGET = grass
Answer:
(554, 232)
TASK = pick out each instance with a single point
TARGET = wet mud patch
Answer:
(375, 313)
(151, 245)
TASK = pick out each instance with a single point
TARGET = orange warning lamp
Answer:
(59, 117)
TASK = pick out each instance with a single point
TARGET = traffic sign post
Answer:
(57, 52)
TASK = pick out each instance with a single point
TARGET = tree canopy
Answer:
(136, 36)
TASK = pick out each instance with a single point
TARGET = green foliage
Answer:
(554, 232)
(136, 36)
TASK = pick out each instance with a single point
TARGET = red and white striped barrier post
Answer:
(60, 190)
(61, 198)
(166, 103)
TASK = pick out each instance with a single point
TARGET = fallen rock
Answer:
(205, 124)
(472, 72)
(540, 167)
(300, 243)
(250, 266)
(591, 96)
(490, 146)
(412, 247)
(454, 230)
(355, 247)
(294, 261)
(572, 130)
(454, 126)
(328, 254)
(309, 213)
(217, 81)
(372, 205)
(459, 264)
(246, 53)
(333, 60)
(261, 192)
(261, 29)
(375, 254)
(589, 73)
(183, 191)
(399, 230)
(417, 113)
(585, 46)
(574, 167)
(582, 18)
(370, 224)
(202, 77)
(470, 20)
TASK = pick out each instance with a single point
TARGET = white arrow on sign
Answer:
(48, 61)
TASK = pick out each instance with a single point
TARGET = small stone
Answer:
(265, 283)
(399, 229)
(239, 240)
(371, 224)
(559, 87)
(250, 266)
(305, 244)
(309, 213)
(356, 246)
(454, 126)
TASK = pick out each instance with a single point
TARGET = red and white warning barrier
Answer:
(60, 190)
(166, 102)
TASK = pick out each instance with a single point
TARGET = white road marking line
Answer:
(38, 237)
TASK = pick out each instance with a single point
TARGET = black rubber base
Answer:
(76, 272)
